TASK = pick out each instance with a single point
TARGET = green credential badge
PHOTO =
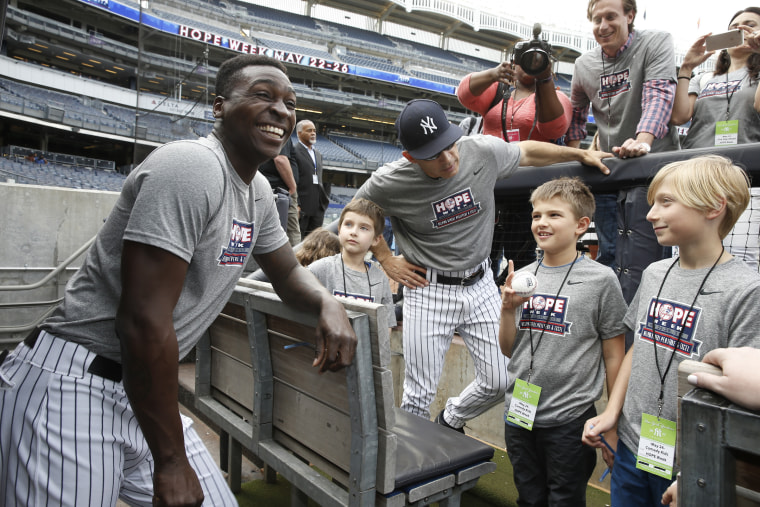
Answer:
(657, 446)
(522, 408)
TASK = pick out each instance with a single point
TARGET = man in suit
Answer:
(312, 196)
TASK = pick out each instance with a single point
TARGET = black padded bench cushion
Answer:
(427, 450)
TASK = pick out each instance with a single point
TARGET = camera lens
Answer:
(534, 61)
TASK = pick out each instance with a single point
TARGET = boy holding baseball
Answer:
(561, 340)
(347, 273)
(684, 307)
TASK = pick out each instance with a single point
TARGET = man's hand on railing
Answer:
(336, 340)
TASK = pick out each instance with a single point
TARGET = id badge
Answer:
(522, 408)
(513, 135)
(727, 133)
(657, 446)
(315, 179)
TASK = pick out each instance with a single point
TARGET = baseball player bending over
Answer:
(162, 267)
(441, 203)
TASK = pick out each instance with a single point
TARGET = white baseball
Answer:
(524, 283)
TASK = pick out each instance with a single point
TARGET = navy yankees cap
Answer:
(424, 130)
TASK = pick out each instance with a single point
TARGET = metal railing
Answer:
(50, 305)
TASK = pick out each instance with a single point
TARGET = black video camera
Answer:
(534, 56)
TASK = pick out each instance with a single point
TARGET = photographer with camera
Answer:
(519, 102)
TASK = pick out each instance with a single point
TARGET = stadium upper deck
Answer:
(350, 81)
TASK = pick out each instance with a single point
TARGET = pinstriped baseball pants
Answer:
(70, 438)
(431, 316)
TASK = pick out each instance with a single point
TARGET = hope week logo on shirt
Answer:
(665, 320)
(547, 313)
(236, 252)
(614, 84)
(454, 208)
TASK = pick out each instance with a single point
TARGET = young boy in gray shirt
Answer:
(685, 307)
(348, 274)
(561, 341)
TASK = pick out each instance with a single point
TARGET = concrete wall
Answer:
(39, 228)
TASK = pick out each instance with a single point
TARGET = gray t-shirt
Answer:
(187, 199)
(567, 363)
(614, 86)
(446, 224)
(371, 285)
(723, 316)
(713, 97)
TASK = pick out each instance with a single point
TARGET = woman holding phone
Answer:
(723, 105)
(724, 109)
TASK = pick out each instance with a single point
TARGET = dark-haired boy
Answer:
(348, 273)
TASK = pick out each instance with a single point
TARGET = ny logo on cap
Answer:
(428, 125)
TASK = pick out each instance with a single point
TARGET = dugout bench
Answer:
(254, 379)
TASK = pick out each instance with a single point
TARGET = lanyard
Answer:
(345, 289)
(548, 315)
(728, 97)
(661, 374)
(609, 103)
(514, 99)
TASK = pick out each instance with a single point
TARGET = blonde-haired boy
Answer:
(347, 273)
(562, 341)
(702, 300)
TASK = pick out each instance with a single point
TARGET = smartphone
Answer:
(724, 40)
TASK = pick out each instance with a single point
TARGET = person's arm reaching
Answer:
(298, 287)
(683, 104)
(282, 164)
(480, 81)
(608, 419)
(536, 153)
(152, 281)
(613, 352)
(548, 105)
(656, 107)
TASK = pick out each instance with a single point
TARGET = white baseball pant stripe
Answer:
(70, 438)
(431, 316)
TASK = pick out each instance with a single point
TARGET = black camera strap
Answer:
(507, 94)
(506, 91)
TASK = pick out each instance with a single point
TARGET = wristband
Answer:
(684, 77)
(544, 80)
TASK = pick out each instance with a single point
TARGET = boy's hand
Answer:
(670, 495)
(611, 437)
(596, 426)
(509, 299)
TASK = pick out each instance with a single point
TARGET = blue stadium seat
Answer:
(376, 151)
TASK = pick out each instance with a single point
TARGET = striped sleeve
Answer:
(656, 107)
(577, 129)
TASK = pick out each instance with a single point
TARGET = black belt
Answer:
(464, 282)
(100, 366)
